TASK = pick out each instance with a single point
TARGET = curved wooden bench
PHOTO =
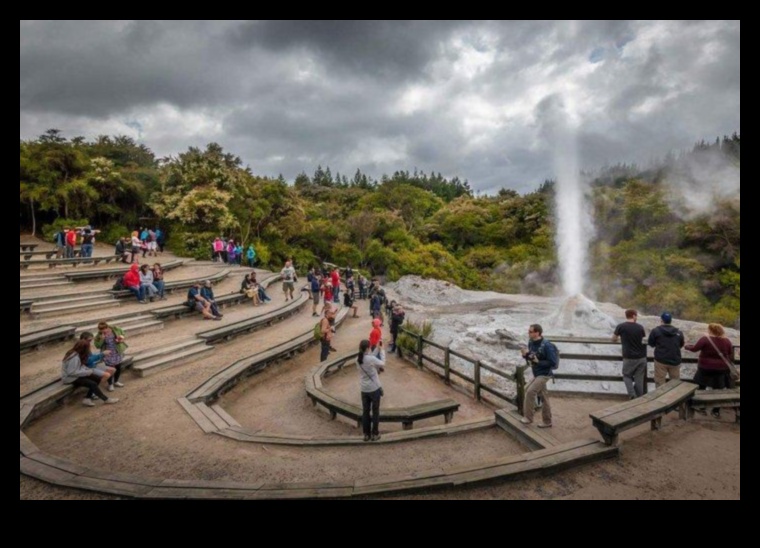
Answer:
(405, 415)
(27, 255)
(114, 271)
(648, 408)
(73, 262)
(30, 247)
(704, 399)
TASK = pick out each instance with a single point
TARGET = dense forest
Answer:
(667, 235)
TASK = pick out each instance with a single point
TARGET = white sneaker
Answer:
(119, 384)
(88, 402)
(110, 388)
(112, 400)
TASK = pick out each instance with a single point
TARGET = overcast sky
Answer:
(477, 100)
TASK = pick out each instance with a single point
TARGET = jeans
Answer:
(250, 262)
(159, 287)
(69, 251)
(336, 294)
(148, 290)
(137, 292)
(86, 250)
(371, 399)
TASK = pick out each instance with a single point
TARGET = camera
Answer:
(531, 357)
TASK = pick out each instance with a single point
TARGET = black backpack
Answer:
(556, 351)
(119, 284)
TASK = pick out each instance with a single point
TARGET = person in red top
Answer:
(71, 241)
(376, 334)
(335, 279)
(714, 350)
(132, 282)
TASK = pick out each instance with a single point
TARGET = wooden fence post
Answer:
(520, 383)
(419, 351)
(476, 374)
(447, 366)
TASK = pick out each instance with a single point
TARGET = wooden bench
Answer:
(26, 304)
(33, 340)
(227, 331)
(73, 262)
(27, 255)
(30, 247)
(48, 396)
(405, 415)
(113, 272)
(173, 286)
(649, 407)
(710, 399)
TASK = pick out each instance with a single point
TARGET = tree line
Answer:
(645, 253)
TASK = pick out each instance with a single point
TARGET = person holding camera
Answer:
(542, 358)
(370, 365)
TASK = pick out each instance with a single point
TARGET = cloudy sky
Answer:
(477, 100)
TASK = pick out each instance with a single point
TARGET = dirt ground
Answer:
(149, 434)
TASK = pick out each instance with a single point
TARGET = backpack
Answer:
(318, 331)
(119, 284)
(556, 351)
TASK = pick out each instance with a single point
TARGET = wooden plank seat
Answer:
(27, 255)
(48, 396)
(712, 399)
(29, 247)
(113, 271)
(26, 304)
(649, 407)
(173, 285)
(73, 262)
(227, 331)
(33, 340)
(405, 415)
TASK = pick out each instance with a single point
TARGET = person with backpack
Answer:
(543, 358)
(60, 242)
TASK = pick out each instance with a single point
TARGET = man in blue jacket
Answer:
(542, 358)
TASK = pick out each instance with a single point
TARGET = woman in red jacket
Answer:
(132, 282)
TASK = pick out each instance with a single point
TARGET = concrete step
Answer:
(160, 363)
(172, 348)
(131, 326)
(73, 308)
(60, 300)
(41, 279)
(42, 285)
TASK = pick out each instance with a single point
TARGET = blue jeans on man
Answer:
(138, 292)
(86, 251)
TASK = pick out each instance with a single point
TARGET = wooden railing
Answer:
(518, 377)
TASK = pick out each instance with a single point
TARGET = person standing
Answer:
(667, 342)
(376, 334)
(713, 363)
(370, 365)
(289, 278)
(541, 357)
(112, 339)
(397, 318)
(631, 336)
(60, 243)
(250, 254)
(315, 287)
(326, 338)
(71, 242)
(335, 280)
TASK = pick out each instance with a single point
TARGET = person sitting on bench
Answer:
(196, 302)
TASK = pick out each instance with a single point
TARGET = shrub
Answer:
(409, 342)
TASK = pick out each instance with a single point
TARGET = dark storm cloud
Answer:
(463, 98)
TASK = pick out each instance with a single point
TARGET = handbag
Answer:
(733, 372)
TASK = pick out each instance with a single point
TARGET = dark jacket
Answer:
(709, 358)
(547, 357)
(667, 342)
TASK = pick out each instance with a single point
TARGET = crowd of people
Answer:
(229, 251)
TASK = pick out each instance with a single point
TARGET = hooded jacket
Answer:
(132, 277)
(667, 342)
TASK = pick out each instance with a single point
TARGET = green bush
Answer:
(112, 232)
(59, 224)
(409, 342)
